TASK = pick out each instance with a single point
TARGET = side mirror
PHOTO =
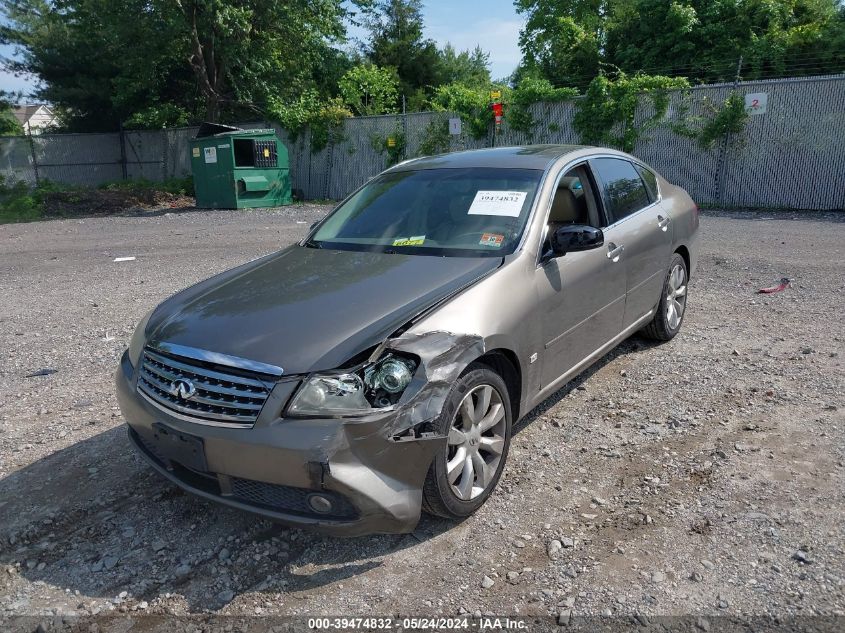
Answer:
(575, 237)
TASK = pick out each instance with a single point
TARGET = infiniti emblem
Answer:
(184, 389)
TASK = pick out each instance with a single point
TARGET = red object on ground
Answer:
(783, 285)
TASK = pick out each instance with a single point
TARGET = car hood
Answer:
(309, 309)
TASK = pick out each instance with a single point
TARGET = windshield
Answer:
(467, 212)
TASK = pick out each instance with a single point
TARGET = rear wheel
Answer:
(477, 420)
(673, 302)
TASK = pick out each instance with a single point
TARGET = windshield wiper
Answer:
(313, 244)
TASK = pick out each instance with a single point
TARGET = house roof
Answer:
(24, 113)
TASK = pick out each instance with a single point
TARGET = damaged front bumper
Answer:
(365, 474)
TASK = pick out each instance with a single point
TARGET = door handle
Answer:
(663, 223)
(614, 251)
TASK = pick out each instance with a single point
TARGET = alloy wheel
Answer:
(476, 441)
(676, 296)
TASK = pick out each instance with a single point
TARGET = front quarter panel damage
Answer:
(384, 461)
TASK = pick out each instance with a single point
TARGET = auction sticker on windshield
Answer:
(491, 239)
(501, 203)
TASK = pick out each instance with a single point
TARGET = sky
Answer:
(492, 24)
(9, 82)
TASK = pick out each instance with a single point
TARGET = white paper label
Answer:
(455, 127)
(210, 154)
(501, 203)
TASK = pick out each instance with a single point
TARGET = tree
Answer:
(569, 42)
(243, 51)
(704, 39)
(103, 62)
(396, 40)
(467, 67)
(671, 52)
(562, 39)
(368, 89)
(88, 56)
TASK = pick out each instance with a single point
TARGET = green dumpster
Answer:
(237, 169)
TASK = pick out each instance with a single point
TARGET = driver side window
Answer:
(573, 203)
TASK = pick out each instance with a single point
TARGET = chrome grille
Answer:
(219, 397)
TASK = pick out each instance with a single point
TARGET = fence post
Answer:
(329, 165)
(34, 158)
(721, 163)
(404, 131)
(123, 169)
(165, 153)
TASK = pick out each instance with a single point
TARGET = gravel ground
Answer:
(705, 476)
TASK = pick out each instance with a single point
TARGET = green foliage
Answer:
(436, 137)
(370, 90)
(9, 125)
(327, 124)
(325, 118)
(567, 41)
(529, 91)
(561, 41)
(605, 115)
(175, 186)
(19, 202)
(472, 104)
(155, 62)
(395, 150)
(396, 41)
(722, 121)
(467, 67)
(158, 117)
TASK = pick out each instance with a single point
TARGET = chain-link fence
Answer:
(791, 153)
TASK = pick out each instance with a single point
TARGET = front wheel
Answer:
(477, 420)
(673, 302)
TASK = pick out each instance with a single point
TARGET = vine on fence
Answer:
(722, 121)
(606, 114)
(435, 139)
(530, 91)
(324, 118)
(394, 145)
(471, 104)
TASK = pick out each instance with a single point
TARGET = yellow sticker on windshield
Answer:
(414, 240)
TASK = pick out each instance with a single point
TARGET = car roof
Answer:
(519, 157)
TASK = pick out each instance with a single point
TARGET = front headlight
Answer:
(374, 386)
(139, 339)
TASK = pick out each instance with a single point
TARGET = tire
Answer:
(440, 497)
(673, 300)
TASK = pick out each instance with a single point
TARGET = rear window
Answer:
(650, 180)
(623, 190)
